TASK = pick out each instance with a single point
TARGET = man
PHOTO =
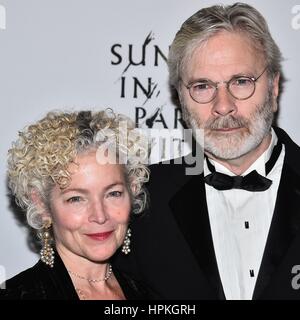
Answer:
(217, 235)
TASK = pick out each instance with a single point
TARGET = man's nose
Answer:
(224, 102)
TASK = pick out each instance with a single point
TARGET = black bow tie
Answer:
(253, 181)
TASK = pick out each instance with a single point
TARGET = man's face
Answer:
(232, 127)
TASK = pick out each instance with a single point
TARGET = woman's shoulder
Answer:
(41, 283)
(134, 289)
(25, 285)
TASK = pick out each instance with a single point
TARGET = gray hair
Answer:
(205, 23)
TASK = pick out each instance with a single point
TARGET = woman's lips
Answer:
(99, 236)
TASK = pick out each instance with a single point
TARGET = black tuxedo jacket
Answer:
(172, 247)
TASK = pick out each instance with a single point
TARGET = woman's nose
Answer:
(98, 212)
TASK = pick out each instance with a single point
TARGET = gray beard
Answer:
(234, 145)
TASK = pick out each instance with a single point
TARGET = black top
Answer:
(44, 283)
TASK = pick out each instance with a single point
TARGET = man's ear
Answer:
(275, 89)
(40, 206)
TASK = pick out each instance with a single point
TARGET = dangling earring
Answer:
(126, 242)
(47, 252)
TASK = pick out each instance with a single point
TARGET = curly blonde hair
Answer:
(40, 157)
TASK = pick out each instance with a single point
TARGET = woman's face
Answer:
(90, 216)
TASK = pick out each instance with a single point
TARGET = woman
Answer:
(78, 176)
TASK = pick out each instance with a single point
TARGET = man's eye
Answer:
(242, 82)
(115, 194)
(74, 199)
(200, 86)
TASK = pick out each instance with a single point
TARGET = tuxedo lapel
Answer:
(190, 210)
(285, 224)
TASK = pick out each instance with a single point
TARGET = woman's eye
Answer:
(74, 199)
(115, 194)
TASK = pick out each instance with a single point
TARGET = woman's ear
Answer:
(134, 188)
(41, 208)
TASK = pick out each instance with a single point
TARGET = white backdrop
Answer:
(93, 54)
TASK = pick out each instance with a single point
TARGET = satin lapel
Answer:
(285, 224)
(190, 210)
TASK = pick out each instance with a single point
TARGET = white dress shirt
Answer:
(240, 221)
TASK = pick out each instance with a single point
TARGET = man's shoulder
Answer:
(168, 176)
(291, 148)
(285, 138)
(165, 168)
(178, 167)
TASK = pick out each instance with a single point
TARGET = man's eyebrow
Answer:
(236, 75)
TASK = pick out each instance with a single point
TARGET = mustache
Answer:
(227, 122)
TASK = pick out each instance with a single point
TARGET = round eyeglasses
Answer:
(240, 87)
